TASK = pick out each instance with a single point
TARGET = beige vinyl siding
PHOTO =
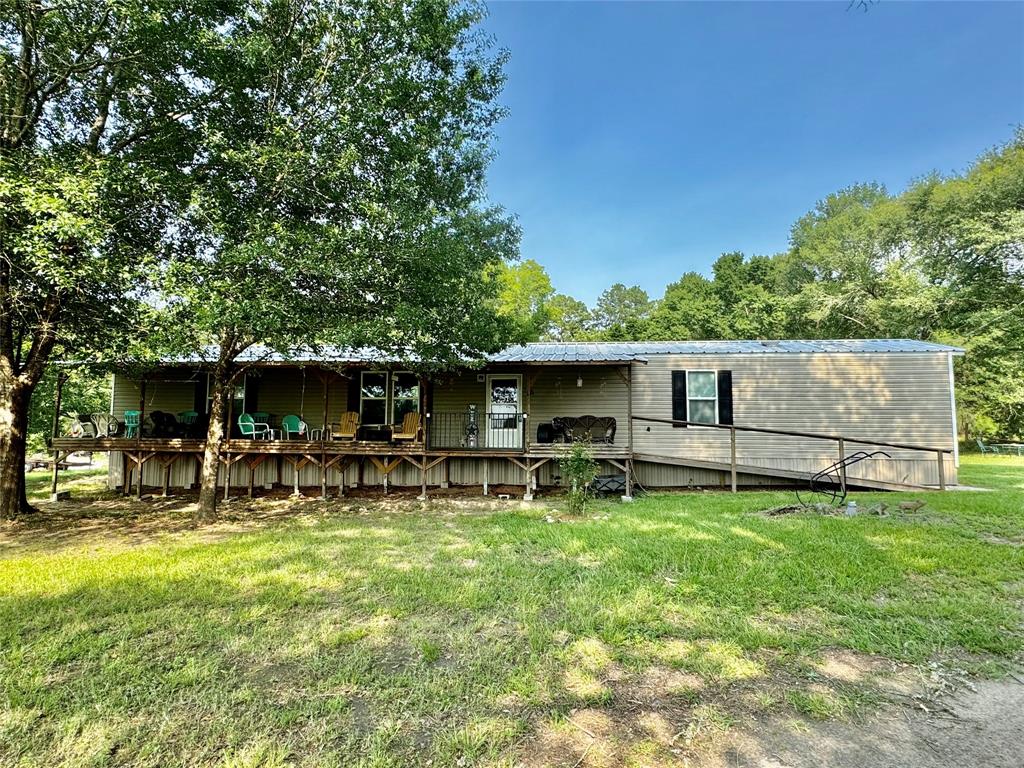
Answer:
(454, 393)
(285, 391)
(657, 475)
(548, 391)
(173, 394)
(604, 393)
(901, 398)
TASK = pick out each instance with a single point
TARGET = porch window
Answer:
(702, 397)
(373, 398)
(405, 395)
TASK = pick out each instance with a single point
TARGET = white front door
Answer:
(504, 414)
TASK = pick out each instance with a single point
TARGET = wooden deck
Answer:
(332, 447)
(327, 454)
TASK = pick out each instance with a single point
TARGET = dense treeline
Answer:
(942, 261)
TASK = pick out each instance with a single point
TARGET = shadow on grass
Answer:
(398, 639)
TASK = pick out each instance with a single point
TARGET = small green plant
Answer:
(579, 469)
(430, 651)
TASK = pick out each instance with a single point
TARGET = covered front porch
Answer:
(360, 426)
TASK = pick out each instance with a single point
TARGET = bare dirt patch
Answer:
(981, 727)
(919, 718)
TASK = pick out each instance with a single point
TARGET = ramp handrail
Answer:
(840, 439)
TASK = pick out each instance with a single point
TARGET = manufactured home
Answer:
(658, 414)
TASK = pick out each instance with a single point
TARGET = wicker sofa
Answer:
(594, 429)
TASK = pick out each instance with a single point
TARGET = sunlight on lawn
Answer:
(342, 634)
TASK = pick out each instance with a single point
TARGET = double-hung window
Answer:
(373, 398)
(385, 398)
(405, 395)
(702, 397)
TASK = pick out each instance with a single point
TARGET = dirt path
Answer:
(983, 727)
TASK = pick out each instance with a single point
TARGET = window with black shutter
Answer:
(678, 397)
(725, 397)
(702, 397)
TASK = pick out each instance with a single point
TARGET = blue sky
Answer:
(644, 139)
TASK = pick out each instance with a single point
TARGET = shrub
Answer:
(579, 469)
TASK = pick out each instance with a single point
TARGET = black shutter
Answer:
(678, 397)
(725, 397)
(353, 392)
(199, 397)
(250, 396)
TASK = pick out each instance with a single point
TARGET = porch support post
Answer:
(142, 411)
(423, 479)
(61, 378)
(629, 433)
(295, 478)
(138, 434)
(125, 473)
(445, 474)
(942, 471)
(487, 464)
(167, 476)
(252, 478)
(528, 496)
(323, 434)
(425, 404)
(227, 476)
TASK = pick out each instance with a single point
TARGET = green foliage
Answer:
(621, 312)
(339, 197)
(943, 261)
(525, 296)
(578, 469)
(100, 106)
(569, 320)
(84, 391)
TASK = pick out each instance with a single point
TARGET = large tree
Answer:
(339, 195)
(621, 312)
(98, 101)
(969, 230)
(524, 296)
(568, 320)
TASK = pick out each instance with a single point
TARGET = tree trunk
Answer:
(14, 402)
(207, 510)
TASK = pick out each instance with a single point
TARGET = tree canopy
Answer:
(942, 260)
(99, 105)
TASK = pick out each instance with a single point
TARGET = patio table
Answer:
(1017, 448)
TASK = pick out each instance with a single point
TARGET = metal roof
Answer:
(593, 352)
(624, 351)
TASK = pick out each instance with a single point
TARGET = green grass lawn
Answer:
(349, 634)
(80, 482)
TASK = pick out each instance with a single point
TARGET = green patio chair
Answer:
(131, 423)
(986, 448)
(253, 429)
(261, 416)
(293, 425)
(187, 418)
